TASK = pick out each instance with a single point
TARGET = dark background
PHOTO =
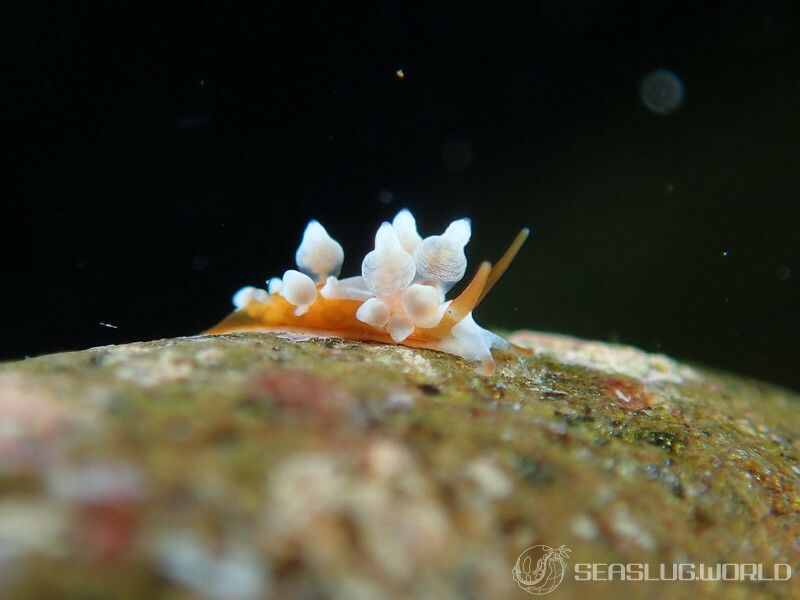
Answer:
(165, 156)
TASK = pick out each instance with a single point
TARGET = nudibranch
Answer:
(398, 298)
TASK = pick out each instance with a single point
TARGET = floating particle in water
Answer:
(385, 196)
(199, 262)
(400, 74)
(783, 273)
(725, 254)
(192, 121)
(457, 154)
(109, 325)
(662, 91)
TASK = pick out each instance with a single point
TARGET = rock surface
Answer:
(255, 465)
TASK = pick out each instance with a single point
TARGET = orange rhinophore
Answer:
(399, 297)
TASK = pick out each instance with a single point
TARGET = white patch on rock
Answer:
(231, 572)
(611, 358)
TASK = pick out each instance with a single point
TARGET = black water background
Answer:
(161, 157)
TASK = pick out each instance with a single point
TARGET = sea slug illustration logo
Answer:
(539, 569)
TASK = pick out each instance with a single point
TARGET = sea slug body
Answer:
(398, 298)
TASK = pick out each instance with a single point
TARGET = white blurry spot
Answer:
(725, 254)
(489, 478)
(661, 91)
(233, 573)
(406, 228)
(109, 325)
(400, 327)
(386, 461)
(299, 289)
(385, 196)
(783, 273)
(210, 357)
(584, 527)
(457, 154)
(399, 401)
(373, 312)
(319, 255)
(151, 372)
(421, 304)
(199, 262)
(388, 269)
(274, 285)
(627, 528)
(28, 527)
(400, 74)
(97, 483)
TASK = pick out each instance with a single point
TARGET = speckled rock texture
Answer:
(259, 465)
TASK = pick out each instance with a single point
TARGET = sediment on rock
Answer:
(269, 465)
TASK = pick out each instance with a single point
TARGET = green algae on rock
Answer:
(260, 465)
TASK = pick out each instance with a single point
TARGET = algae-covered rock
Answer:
(275, 465)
